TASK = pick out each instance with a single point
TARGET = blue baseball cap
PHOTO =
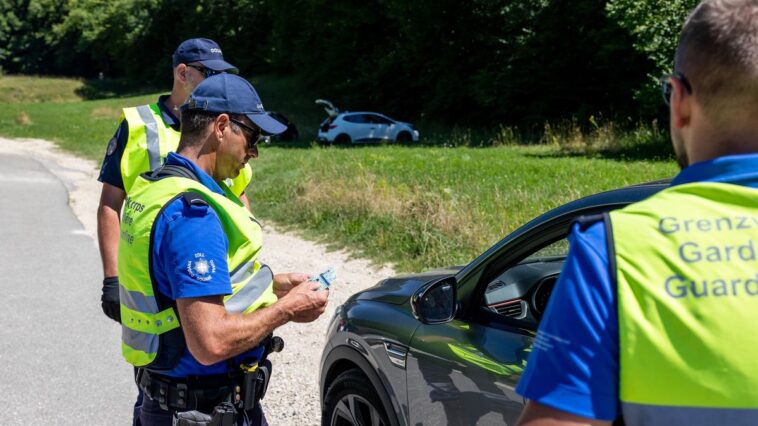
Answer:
(232, 94)
(202, 50)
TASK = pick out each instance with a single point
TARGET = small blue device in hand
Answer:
(325, 278)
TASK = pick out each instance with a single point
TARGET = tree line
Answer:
(481, 62)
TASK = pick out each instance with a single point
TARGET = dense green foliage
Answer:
(656, 27)
(480, 62)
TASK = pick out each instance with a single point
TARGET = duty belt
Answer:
(243, 386)
(201, 393)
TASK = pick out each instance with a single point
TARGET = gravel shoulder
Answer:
(293, 396)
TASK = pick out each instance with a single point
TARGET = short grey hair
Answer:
(718, 54)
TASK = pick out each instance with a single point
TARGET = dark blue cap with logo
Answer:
(202, 50)
(232, 94)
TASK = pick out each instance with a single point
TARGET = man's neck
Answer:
(204, 161)
(174, 101)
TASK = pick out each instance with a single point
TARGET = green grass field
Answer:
(416, 206)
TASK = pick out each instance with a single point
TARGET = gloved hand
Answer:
(110, 300)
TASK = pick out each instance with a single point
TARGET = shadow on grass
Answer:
(114, 88)
(308, 144)
(638, 152)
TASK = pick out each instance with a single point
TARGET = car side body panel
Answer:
(367, 337)
(463, 373)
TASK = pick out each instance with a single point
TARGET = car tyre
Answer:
(404, 137)
(351, 400)
(342, 139)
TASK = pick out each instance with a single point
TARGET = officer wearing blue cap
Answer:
(197, 305)
(146, 134)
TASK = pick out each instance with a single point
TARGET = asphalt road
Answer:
(60, 356)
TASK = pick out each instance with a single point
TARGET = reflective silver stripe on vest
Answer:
(251, 291)
(151, 134)
(666, 415)
(242, 270)
(140, 341)
(137, 301)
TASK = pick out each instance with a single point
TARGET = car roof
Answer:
(362, 112)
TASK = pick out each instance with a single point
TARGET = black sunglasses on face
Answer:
(206, 72)
(666, 85)
(252, 135)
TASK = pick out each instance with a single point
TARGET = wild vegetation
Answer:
(474, 63)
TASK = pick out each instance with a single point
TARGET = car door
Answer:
(465, 371)
(380, 127)
(358, 127)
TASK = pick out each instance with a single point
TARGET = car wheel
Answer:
(351, 400)
(404, 137)
(342, 139)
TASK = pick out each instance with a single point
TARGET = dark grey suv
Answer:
(448, 346)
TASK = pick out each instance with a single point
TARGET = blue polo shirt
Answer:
(110, 171)
(183, 234)
(574, 364)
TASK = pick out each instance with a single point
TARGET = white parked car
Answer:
(359, 127)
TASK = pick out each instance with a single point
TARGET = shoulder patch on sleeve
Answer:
(195, 203)
(112, 145)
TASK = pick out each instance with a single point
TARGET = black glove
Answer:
(109, 300)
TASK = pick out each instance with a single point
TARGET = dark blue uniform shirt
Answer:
(189, 259)
(110, 171)
(577, 370)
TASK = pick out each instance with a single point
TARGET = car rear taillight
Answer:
(332, 126)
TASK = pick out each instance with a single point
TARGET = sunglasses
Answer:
(253, 135)
(666, 85)
(206, 72)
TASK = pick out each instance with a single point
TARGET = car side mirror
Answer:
(435, 303)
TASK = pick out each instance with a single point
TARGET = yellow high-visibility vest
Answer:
(151, 330)
(687, 286)
(149, 142)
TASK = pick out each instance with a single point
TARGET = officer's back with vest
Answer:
(655, 315)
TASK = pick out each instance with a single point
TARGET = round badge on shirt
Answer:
(201, 268)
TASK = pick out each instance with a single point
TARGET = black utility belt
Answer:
(177, 394)
(243, 389)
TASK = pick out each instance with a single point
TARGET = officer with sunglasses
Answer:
(200, 305)
(654, 319)
(146, 134)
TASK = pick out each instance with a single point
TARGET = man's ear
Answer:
(220, 125)
(681, 104)
(180, 73)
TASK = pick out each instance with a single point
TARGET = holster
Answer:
(255, 384)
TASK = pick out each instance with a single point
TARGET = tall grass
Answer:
(425, 207)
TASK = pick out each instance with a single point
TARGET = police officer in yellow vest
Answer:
(655, 315)
(196, 304)
(147, 133)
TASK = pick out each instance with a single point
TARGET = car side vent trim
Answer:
(396, 353)
(516, 309)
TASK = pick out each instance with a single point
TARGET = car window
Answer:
(378, 119)
(356, 118)
(558, 248)
(522, 290)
